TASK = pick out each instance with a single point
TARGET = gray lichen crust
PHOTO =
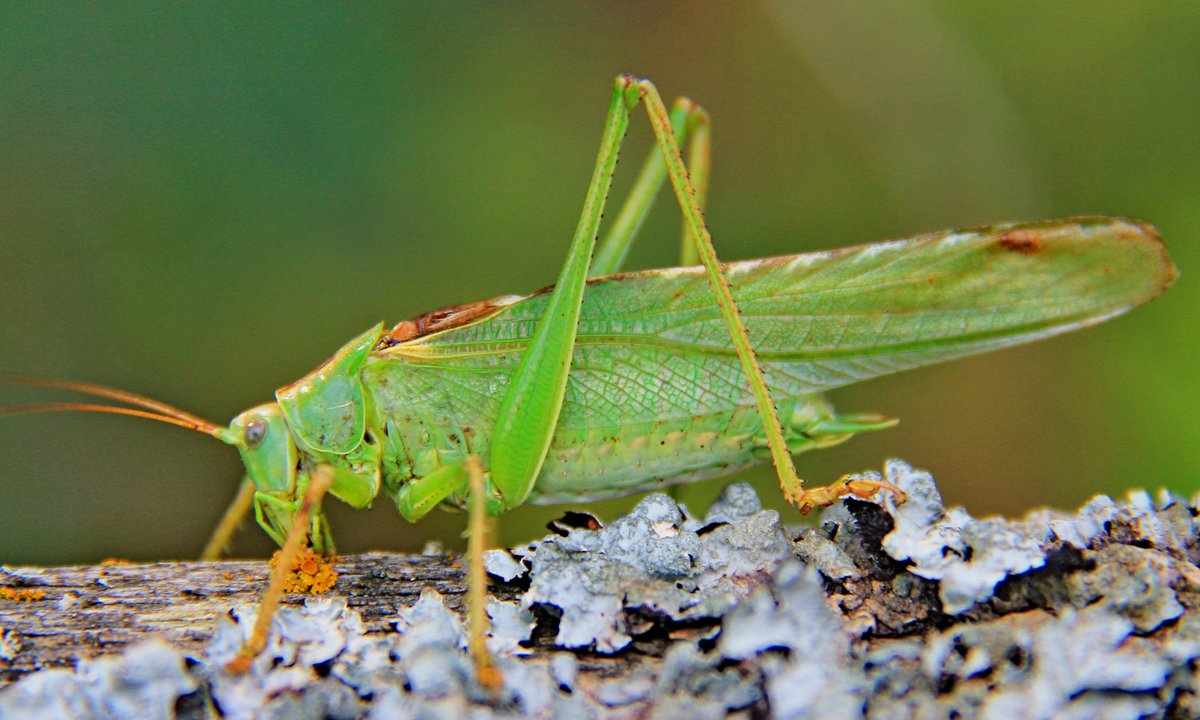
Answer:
(879, 611)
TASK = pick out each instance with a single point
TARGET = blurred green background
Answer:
(201, 202)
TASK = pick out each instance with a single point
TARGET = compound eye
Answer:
(256, 429)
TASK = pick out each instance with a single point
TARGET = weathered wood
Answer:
(94, 610)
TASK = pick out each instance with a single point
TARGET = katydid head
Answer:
(261, 436)
(269, 453)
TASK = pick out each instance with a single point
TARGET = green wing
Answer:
(652, 346)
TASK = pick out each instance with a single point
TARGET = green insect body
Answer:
(655, 394)
(628, 381)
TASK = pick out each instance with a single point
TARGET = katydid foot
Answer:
(808, 500)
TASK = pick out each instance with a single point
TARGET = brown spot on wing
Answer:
(443, 319)
(1025, 242)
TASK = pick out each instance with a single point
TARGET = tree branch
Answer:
(879, 611)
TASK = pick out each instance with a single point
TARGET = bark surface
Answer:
(877, 612)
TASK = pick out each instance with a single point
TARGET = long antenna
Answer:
(107, 392)
(192, 424)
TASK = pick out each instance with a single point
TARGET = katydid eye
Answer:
(256, 429)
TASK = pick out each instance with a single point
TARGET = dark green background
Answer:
(201, 202)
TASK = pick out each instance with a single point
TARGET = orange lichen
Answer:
(311, 573)
(115, 561)
(21, 594)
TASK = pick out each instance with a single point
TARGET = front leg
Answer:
(310, 506)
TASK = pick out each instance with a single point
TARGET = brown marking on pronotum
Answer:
(442, 319)
(1025, 242)
(404, 330)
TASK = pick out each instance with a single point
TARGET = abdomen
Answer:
(439, 417)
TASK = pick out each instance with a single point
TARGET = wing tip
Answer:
(1137, 235)
(1149, 240)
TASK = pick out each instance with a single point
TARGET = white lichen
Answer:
(1082, 667)
(655, 559)
(145, 681)
(1105, 632)
(812, 678)
(503, 565)
(969, 557)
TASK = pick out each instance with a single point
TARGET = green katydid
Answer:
(611, 383)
